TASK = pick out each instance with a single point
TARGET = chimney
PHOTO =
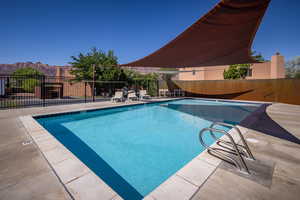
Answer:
(59, 71)
(277, 66)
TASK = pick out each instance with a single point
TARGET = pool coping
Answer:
(73, 173)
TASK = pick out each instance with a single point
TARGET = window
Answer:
(249, 72)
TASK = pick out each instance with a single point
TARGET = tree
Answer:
(258, 56)
(147, 81)
(297, 75)
(293, 67)
(240, 71)
(288, 74)
(27, 71)
(143, 81)
(27, 78)
(236, 71)
(106, 69)
(105, 65)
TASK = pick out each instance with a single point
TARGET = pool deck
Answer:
(25, 173)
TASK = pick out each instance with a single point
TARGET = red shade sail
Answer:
(221, 37)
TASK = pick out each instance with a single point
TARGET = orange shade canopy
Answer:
(221, 37)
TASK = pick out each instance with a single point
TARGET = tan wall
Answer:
(267, 70)
(76, 89)
(63, 72)
(214, 73)
(72, 89)
(198, 75)
(260, 71)
(271, 90)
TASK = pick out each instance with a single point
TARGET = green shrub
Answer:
(237, 71)
(26, 78)
(28, 85)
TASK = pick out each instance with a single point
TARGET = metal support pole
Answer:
(84, 92)
(158, 88)
(43, 88)
(93, 83)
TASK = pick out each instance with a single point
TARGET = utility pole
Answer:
(93, 82)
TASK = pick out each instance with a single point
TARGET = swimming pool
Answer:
(136, 148)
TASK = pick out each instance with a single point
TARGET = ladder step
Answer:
(228, 151)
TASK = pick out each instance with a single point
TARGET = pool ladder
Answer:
(228, 151)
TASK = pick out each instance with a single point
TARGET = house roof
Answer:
(221, 37)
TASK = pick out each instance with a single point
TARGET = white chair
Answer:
(176, 92)
(144, 95)
(117, 97)
(163, 92)
(132, 96)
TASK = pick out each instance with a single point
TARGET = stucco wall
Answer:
(268, 70)
(197, 75)
(260, 71)
(276, 70)
(214, 73)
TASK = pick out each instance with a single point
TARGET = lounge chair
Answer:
(132, 96)
(178, 93)
(144, 95)
(117, 97)
(164, 93)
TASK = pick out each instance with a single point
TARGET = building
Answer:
(273, 69)
(144, 70)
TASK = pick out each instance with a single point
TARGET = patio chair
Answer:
(176, 92)
(144, 95)
(132, 96)
(117, 97)
(163, 92)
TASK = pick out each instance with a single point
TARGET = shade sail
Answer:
(221, 37)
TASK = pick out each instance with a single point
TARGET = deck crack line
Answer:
(205, 181)
(186, 180)
(77, 178)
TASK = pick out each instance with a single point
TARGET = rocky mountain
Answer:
(49, 70)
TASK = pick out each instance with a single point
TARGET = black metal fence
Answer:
(25, 91)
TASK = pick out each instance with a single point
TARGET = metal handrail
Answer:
(245, 146)
(240, 165)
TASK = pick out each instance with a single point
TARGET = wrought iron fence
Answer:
(36, 90)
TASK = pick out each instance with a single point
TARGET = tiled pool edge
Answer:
(184, 183)
(73, 173)
(116, 105)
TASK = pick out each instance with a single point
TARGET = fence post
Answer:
(84, 92)
(157, 88)
(43, 91)
(93, 82)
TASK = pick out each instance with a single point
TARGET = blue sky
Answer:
(50, 31)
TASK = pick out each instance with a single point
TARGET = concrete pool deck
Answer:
(26, 174)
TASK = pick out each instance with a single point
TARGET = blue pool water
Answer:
(135, 148)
